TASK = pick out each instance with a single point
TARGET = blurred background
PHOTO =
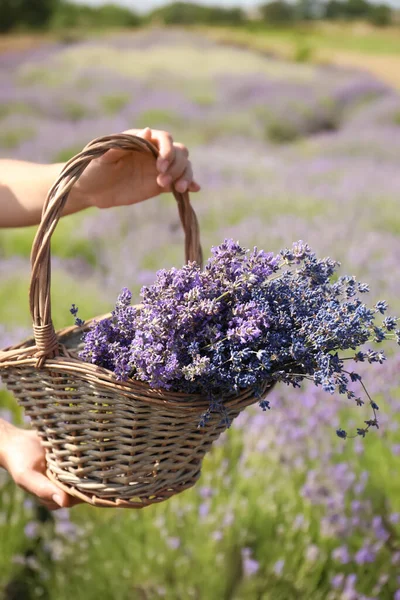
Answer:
(291, 112)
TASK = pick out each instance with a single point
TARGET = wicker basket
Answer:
(110, 444)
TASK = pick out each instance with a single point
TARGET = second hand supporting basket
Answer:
(110, 444)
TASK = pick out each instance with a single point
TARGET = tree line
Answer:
(62, 14)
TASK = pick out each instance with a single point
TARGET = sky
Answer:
(146, 5)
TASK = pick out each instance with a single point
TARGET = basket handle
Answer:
(39, 293)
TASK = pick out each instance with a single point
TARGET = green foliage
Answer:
(183, 13)
(113, 103)
(66, 153)
(280, 131)
(75, 111)
(158, 117)
(307, 10)
(65, 242)
(14, 108)
(377, 14)
(334, 9)
(305, 121)
(68, 18)
(70, 15)
(278, 12)
(12, 138)
(356, 9)
(25, 13)
(380, 15)
(303, 53)
(203, 97)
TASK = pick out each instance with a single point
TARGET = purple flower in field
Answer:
(397, 595)
(206, 492)
(66, 529)
(228, 519)
(395, 560)
(278, 567)
(312, 553)
(31, 529)
(379, 529)
(365, 555)
(204, 509)
(174, 543)
(341, 555)
(337, 581)
(250, 565)
(299, 522)
(394, 518)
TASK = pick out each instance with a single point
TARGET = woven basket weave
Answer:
(110, 444)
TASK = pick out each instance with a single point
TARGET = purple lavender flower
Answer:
(278, 567)
(342, 555)
(365, 555)
(337, 581)
(31, 529)
(174, 543)
(247, 319)
(250, 565)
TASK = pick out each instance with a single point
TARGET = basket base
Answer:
(117, 502)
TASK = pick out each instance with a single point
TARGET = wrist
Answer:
(76, 201)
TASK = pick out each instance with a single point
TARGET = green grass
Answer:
(242, 208)
(65, 241)
(113, 103)
(12, 138)
(386, 217)
(65, 291)
(317, 36)
(66, 153)
(11, 108)
(159, 117)
(75, 111)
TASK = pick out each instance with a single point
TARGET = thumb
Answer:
(40, 486)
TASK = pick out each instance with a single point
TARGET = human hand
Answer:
(23, 456)
(122, 177)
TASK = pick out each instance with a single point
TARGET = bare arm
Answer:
(119, 177)
(23, 189)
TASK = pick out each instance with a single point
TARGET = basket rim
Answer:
(24, 355)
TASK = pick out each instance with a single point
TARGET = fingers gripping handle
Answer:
(39, 293)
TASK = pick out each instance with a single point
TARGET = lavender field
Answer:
(285, 510)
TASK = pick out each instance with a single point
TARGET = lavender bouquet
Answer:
(248, 318)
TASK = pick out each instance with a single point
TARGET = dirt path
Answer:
(384, 67)
(11, 43)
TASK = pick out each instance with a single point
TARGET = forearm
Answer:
(23, 190)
